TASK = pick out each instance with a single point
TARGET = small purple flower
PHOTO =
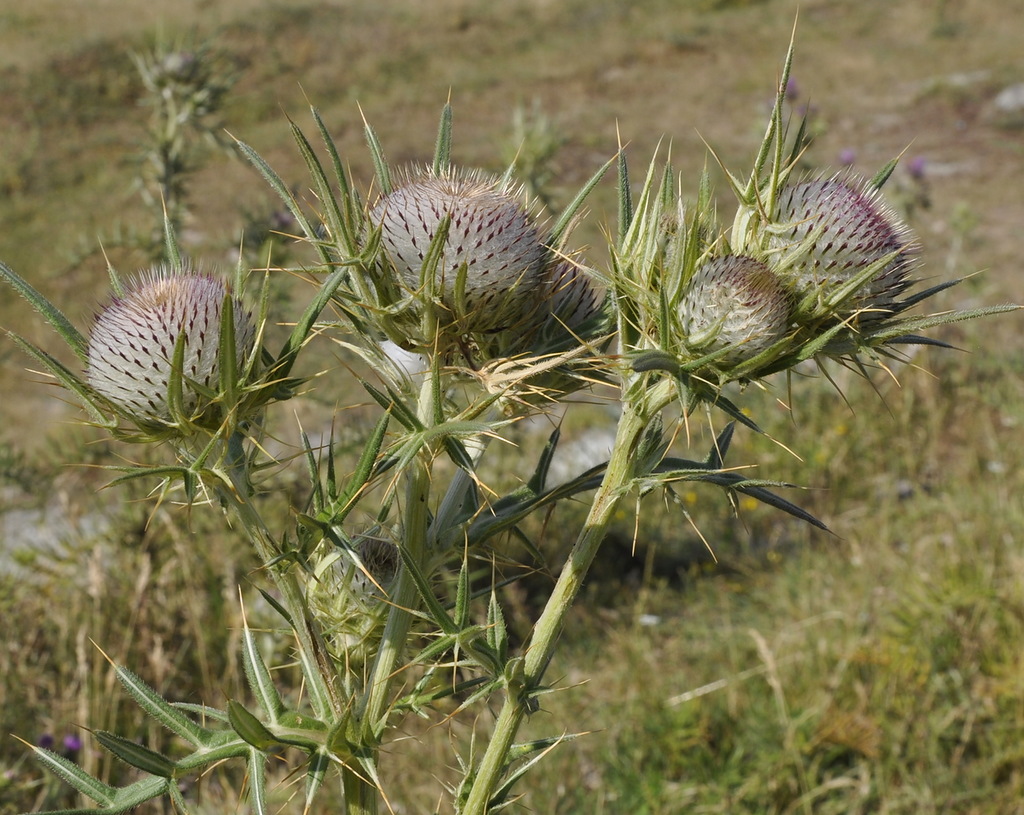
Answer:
(847, 157)
(916, 167)
(45, 741)
(792, 89)
(72, 744)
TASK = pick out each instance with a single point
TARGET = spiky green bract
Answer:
(827, 230)
(811, 268)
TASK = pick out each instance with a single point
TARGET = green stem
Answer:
(360, 794)
(416, 520)
(316, 665)
(541, 646)
(403, 601)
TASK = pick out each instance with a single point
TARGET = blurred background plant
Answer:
(916, 526)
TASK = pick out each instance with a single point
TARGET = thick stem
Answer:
(360, 795)
(416, 521)
(403, 601)
(541, 646)
(318, 671)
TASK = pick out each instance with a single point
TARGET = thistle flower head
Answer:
(493, 258)
(734, 303)
(833, 229)
(349, 595)
(132, 346)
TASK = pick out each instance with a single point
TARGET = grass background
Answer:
(876, 670)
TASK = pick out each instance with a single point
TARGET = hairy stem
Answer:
(541, 646)
(316, 666)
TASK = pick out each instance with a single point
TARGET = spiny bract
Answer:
(830, 230)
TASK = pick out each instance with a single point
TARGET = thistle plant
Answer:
(472, 312)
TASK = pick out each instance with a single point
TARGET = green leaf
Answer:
(251, 729)
(256, 672)
(136, 755)
(462, 595)
(351, 221)
(53, 315)
(341, 505)
(258, 783)
(443, 147)
(67, 378)
(716, 457)
(286, 358)
(160, 709)
(433, 606)
(625, 199)
(539, 478)
(395, 405)
(497, 631)
(878, 180)
(568, 216)
(316, 773)
(202, 712)
(380, 164)
(518, 751)
(286, 196)
(78, 778)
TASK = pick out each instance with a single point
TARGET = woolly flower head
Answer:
(492, 241)
(734, 303)
(131, 348)
(832, 229)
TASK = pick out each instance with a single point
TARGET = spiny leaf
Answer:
(443, 147)
(160, 709)
(249, 727)
(53, 315)
(78, 778)
(136, 755)
(258, 675)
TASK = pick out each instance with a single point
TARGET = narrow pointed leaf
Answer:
(316, 773)
(136, 755)
(53, 315)
(75, 776)
(565, 220)
(716, 457)
(299, 335)
(285, 195)
(258, 783)
(625, 199)
(443, 147)
(249, 727)
(380, 164)
(258, 675)
(160, 709)
(171, 247)
(433, 606)
(462, 596)
(540, 475)
(66, 377)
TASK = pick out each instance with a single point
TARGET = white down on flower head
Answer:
(830, 229)
(491, 235)
(736, 303)
(131, 347)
